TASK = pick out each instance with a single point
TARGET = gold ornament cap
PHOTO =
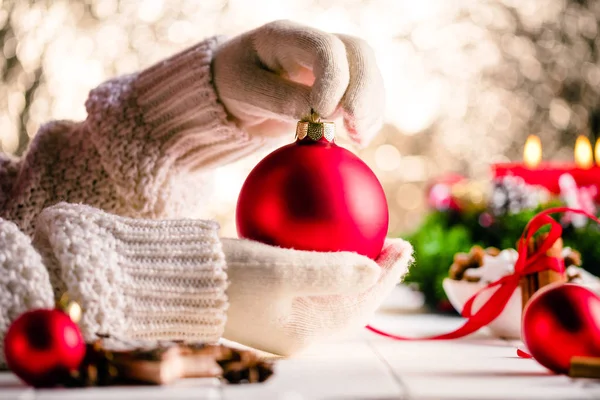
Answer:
(315, 131)
(69, 307)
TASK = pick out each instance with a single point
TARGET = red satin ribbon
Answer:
(524, 265)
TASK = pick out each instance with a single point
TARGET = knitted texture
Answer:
(282, 300)
(289, 70)
(24, 281)
(140, 279)
(141, 152)
(144, 268)
(9, 168)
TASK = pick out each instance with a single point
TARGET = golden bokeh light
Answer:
(466, 81)
(583, 152)
(387, 157)
(532, 152)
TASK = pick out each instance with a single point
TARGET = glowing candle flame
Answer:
(583, 152)
(532, 153)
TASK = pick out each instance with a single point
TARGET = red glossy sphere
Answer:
(314, 196)
(560, 322)
(42, 346)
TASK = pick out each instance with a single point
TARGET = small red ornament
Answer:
(42, 346)
(439, 193)
(314, 195)
(562, 321)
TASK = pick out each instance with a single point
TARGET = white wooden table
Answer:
(367, 366)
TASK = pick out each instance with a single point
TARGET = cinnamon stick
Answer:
(165, 363)
(531, 283)
(585, 367)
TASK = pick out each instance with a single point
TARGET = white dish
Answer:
(508, 324)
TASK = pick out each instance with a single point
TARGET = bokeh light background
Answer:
(466, 81)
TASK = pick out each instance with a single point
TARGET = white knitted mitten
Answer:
(272, 76)
(136, 279)
(24, 282)
(284, 300)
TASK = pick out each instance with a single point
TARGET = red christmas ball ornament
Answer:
(560, 322)
(42, 346)
(314, 195)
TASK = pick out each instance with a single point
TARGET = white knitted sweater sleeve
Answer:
(140, 153)
(134, 278)
(165, 120)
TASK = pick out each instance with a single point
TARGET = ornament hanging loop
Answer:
(314, 116)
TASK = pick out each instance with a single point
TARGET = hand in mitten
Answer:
(283, 300)
(273, 76)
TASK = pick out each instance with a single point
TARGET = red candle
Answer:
(547, 174)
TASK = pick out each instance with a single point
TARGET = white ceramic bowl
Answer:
(508, 324)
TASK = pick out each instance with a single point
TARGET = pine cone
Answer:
(464, 261)
(474, 259)
(573, 258)
(240, 366)
(96, 369)
(510, 195)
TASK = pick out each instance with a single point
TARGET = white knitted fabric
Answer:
(282, 301)
(142, 152)
(24, 281)
(288, 69)
(139, 279)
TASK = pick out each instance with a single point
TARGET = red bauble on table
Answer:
(560, 322)
(42, 346)
(314, 195)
